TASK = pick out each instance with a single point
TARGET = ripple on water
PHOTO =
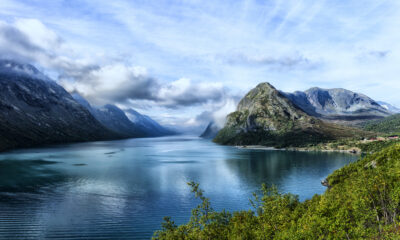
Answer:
(79, 191)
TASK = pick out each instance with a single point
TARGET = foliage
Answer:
(389, 125)
(375, 146)
(361, 202)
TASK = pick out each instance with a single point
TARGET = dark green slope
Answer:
(36, 111)
(389, 125)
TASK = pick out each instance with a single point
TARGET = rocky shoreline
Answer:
(353, 150)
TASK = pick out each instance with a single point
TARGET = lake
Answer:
(123, 189)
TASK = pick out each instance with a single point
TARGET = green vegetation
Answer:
(361, 202)
(389, 125)
(376, 146)
(230, 136)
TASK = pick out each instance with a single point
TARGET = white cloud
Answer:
(219, 116)
(113, 82)
(292, 44)
(38, 33)
(186, 92)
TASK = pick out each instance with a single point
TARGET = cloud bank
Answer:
(178, 59)
(29, 40)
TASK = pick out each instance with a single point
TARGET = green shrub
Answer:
(362, 202)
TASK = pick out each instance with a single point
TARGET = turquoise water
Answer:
(123, 189)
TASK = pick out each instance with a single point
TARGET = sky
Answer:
(187, 62)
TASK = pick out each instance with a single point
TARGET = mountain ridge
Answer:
(211, 131)
(266, 116)
(35, 110)
(148, 123)
(120, 121)
(337, 104)
(389, 107)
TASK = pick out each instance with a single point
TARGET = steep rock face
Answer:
(112, 118)
(35, 110)
(266, 116)
(211, 131)
(337, 104)
(115, 119)
(151, 127)
(128, 124)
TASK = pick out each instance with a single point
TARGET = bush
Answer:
(362, 202)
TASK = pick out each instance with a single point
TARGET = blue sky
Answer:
(186, 62)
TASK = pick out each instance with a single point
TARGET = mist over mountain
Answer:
(211, 131)
(217, 118)
(35, 110)
(148, 124)
(129, 123)
(19, 69)
(336, 105)
(389, 107)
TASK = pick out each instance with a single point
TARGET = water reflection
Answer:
(296, 172)
(28, 175)
(123, 189)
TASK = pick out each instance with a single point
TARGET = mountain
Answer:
(266, 116)
(211, 131)
(115, 119)
(146, 123)
(35, 110)
(337, 104)
(389, 107)
(129, 123)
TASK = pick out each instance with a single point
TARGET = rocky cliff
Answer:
(34, 110)
(266, 116)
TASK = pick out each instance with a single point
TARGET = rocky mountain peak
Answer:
(265, 100)
(266, 116)
(337, 104)
(14, 68)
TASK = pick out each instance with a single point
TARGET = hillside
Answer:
(389, 125)
(34, 110)
(361, 202)
(129, 123)
(267, 117)
(147, 124)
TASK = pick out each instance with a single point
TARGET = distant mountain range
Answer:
(148, 125)
(335, 105)
(128, 124)
(389, 107)
(34, 110)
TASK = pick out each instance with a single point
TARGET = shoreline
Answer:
(353, 150)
